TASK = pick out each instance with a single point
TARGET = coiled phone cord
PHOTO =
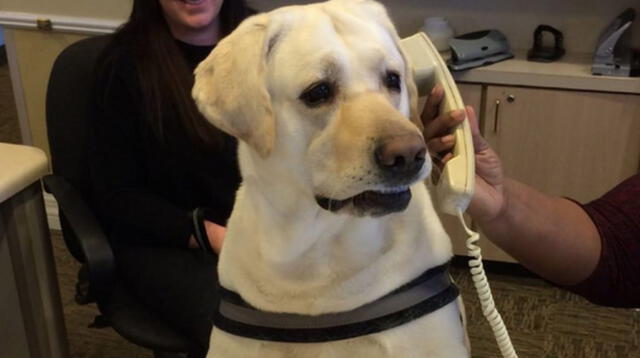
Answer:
(484, 294)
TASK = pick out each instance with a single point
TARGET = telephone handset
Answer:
(454, 188)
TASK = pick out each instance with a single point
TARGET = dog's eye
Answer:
(392, 81)
(317, 94)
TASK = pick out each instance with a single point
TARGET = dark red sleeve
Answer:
(616, 279)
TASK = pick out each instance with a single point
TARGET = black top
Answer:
(615, 280)
(146, 189)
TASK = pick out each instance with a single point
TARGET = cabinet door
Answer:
(472, 96)
(567, 143)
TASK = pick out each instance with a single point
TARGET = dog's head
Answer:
(324, 94)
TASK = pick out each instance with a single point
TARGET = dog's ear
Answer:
(230, 88)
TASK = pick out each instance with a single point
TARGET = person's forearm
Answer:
(551, 236)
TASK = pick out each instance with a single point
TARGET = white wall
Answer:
(580, 20)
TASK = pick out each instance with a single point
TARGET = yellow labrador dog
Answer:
(332, 214)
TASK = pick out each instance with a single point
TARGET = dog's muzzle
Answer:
(398, 160)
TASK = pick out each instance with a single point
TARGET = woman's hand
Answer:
(215, 234)
(488, 200)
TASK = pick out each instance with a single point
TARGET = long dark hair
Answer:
(163, 73)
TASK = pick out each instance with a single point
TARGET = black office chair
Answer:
(67, 117)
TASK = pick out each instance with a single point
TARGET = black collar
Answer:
(427, 293)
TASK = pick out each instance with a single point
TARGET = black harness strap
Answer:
(427, 293)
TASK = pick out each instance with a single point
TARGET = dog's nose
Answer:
(401, 155)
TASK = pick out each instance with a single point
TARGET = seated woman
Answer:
(154, 159)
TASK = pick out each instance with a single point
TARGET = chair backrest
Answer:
(67, 115)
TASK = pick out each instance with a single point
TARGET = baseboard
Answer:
(74, 24)
(51, 207)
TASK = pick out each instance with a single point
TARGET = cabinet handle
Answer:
(496, 119)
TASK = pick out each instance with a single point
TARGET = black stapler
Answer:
(541, 53)
(480, 48)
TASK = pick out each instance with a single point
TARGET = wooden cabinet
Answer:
(471, 94)
(576, 144)
(569, 143)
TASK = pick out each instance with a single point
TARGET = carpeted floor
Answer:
(543, 321)
(85, 342)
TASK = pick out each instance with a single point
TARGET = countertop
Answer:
(573, 71)
(20, 166)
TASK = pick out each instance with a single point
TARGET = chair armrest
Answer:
(86, 228)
